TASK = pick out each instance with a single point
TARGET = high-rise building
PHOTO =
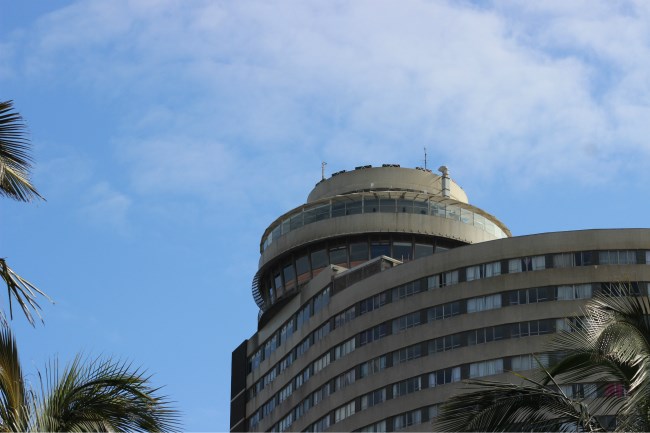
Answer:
(387, 288)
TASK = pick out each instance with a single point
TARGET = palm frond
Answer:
(102, 395)
(15, 160)
(498, 406)
(14, 398)
(22, 291)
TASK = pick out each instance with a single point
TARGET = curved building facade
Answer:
(387, 288)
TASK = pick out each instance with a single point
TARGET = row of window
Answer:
(309, 309)
(379, 203)
(306, 264)
(403, 420)
(430, 413)
(421, 382)
(473, 337)
(429, 347)
(486, 270)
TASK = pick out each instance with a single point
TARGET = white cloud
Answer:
(104, 206)
(273, 88)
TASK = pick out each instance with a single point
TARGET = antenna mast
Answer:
(322, 169)
(425, 158)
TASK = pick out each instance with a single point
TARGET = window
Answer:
(402, 251)
(443, 311)
(406, 290)
(624, 257)
(407, 354)
(320, 394)
(303, 347)
(339, 256)
(302, 269)
(372, 334)
(450, 278)
(407, 386)
(441, 344)
(286, 361)
(321, 425)
(379, 248)
(373, 366)
(344, 317)
(289, 276)
(376, 427)
(316, 214)
(526, 264)
(285, 422)
(373, 398)
(405, 322)
(321, 300)
(358, 253)
(369, 304)
(407, 419)
(483, 303)
(534, 327)
(286, 331)
(285, 392)
(483, 271)
(570, 292)
(345, 379)
(423, 250)
(442, 280)
(303, 315)
(406, 206)
(344, 348)
(441, 377)
(486, 335)
(566, 260)
(321, 332)
(321, 363)
(486, 368)
(531, 296)
(529, 362)
(318, 259)
(343, 412)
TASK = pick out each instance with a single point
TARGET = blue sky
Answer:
(169, 134)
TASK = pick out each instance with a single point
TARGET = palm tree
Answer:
(98, 395)
(15, 167)
(611, 344)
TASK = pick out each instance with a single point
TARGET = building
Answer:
(387, 288)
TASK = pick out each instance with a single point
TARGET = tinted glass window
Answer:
(422, 250)
(302, 265)
(318, 259)
(359, 251)
(339, 256)
(371, 205)
(402, 251)
(379, 249)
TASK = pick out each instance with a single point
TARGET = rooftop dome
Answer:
(389, 178)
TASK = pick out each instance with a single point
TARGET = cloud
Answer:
(106, 207)
(273, 88)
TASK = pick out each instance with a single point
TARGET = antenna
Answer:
(322, 168)
(425, 158)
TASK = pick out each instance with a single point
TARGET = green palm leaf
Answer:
(102, 395)
(611, 344)
(530, 406)
(22, 291)
(88, 395)
(15, 160)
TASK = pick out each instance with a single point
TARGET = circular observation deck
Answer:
(356, 216)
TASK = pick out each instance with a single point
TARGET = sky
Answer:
(167, 135)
